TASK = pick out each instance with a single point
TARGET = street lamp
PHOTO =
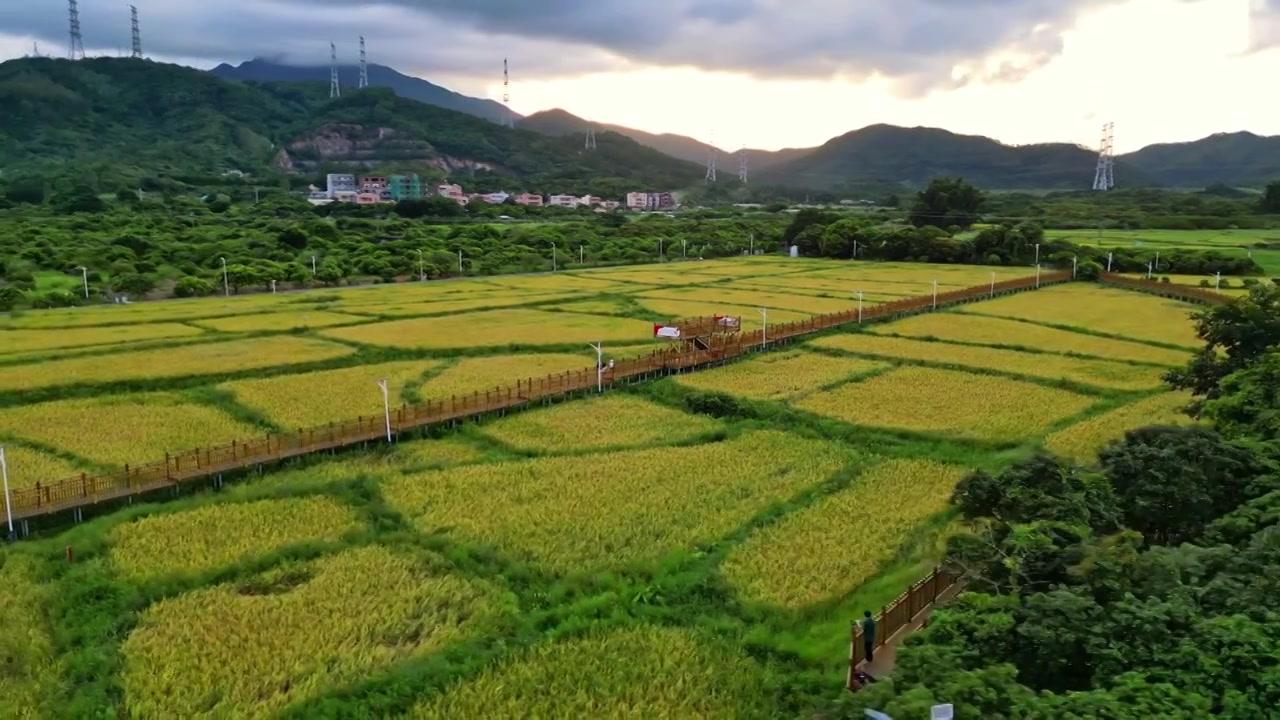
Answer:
(1217, 280)
(313, 266)
(84, 276)
(580, 256)
(764, 327)
(859, 306)
(993, 284)
(422, 274)
(226, 284)
(553, 257)
(1037, 276)
(1074, 263)
(599, 365)
(1037, 253)
(935, 294)
(386, 406)
(1109, 256)
(1148, 269)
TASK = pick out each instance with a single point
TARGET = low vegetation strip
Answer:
(53, 497)
(610, 421)
(780, 376)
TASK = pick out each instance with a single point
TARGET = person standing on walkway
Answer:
(868, 635)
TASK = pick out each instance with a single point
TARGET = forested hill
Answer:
(912, 156)
(1240, 158)
(112, 122)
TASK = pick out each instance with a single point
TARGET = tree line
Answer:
(1144, 585)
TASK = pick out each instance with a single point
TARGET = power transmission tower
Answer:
(135, 32)
(506, 94)
(711, 161)
(334, 90)
(77, 41)
(742, 165)
(364, 66)
(1104, 175)
(591, 136)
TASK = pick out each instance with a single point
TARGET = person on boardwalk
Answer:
(868, 635)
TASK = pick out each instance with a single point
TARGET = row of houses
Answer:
(372, 189)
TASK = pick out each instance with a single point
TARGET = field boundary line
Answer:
(85, 490)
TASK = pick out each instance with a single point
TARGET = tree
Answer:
(1040, 488)
(1235, 335)
(192, 286)
(132, 284)
(1271, 198)
(1248, 404)
(1171, 482)
(946, 202)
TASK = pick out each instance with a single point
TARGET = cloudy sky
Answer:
(765, 73)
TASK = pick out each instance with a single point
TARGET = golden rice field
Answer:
(315, 398)
(979, 330)
(606, 422)
(583, 513)
(641, 672)
(1081, 442)
(212, 358)
(217, 536)
(779, 375)
(950, 403)
(1123, 313)
(341, 618)
(610, 556)
(843, 539)
(1097, 373)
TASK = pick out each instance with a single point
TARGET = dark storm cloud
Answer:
(917, 42)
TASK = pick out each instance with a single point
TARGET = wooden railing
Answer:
(1170, 290)
(45, 498)
(897, 615)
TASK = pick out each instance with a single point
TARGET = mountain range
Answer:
(879, 154)
(128, 119)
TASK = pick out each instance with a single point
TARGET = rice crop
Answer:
(1116, 312)
(496, 328)
(949, 403)
(682, 274)
(750, 267)
(279, 321)
(1082, 441)
(559, 282)
(585, 513)
(197, 541)
(28, 466)
(1098, 373)
(252, 648)
(749, 316)
(778, 376)
(31, 665)
(118, 430)
(427, 454)
(610, 306)
(324, 396)
(641, 672)
(214, 358)
(919, 273)
(26, 340)
(613, 420)
(980, 330)
(500, 371)
(445, 307)
(842, 540)
(753, 299)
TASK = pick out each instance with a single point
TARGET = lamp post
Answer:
(1037, 253)
(599, 365)
(935, 294)
(386, 406)
(1075, 261)
(1109, 256)
(764, 327)
(1037, 276)
(459, 262)
(1217, 280)
(226, 284)
(553, 257)
(580, 256)
(993, 284)
(422, 273)
(84, 277)
(313, 266)
(859, 306)
(1148, 269)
